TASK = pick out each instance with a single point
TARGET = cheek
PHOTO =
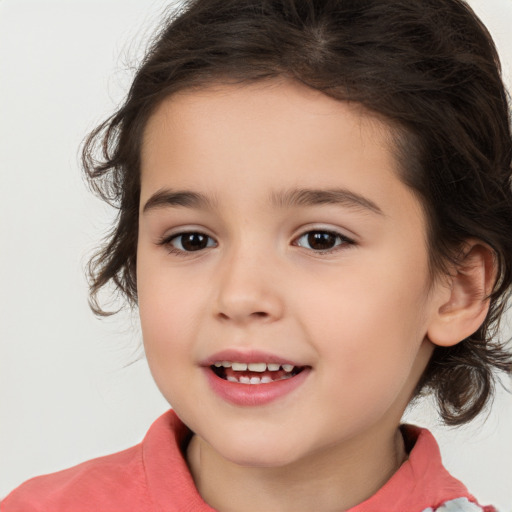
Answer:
(167, 318)
(371, 322)
(166, 335)
(167, 297)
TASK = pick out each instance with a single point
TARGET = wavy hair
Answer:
(429, 67)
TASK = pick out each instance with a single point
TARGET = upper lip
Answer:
(250, 356)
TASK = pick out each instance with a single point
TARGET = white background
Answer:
(67, 390)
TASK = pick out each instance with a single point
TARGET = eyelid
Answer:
(336, 230)
(183, 230)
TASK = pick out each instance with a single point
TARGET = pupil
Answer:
(194, 241)
(321, 240)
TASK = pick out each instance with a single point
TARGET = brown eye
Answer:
(188, 242)
(322, 241)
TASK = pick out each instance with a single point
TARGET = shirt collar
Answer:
(420, 482)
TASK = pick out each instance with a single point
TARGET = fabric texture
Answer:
(153, 477)
(459, 505)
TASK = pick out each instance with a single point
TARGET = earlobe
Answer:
(463, 302)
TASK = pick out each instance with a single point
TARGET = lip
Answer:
(251, 356)
(251, 395)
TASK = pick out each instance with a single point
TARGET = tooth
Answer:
(239, 367)
(273, 367)
(287, 367)
(218, 364)
(226, 364)
(255, 380)
(266, 379)
(257, 367)
(244, 380)
(232, 379)
(286, 376)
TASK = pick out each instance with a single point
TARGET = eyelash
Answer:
(342, 239)
(167, 242)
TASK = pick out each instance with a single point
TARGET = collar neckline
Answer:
(420, 482)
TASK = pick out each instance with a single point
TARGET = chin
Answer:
(263, 454)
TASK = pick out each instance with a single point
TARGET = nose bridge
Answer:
(246, 288)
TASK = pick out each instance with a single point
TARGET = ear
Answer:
(462, 303)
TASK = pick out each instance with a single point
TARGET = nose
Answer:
(248, 289)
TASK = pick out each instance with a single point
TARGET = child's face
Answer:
(334, 281)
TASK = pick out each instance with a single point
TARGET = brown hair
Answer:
(428, 66)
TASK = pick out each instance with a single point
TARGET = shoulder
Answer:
(422, 483)
(130, 480)
(450, 494)
(115, 480)
(461, 505)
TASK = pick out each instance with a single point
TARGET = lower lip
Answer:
(254, 394)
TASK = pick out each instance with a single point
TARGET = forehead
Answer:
(284, 108)
(265, 137)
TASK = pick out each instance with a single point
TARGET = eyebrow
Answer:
(282, 199)
(166, 197)
(315, 197)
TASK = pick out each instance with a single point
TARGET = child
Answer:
(315, 224)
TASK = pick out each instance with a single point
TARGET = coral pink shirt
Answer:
(153, 477)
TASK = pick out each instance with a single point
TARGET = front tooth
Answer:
(287, 367)
(257, 367)
(231, 379)
(239, 367)
(273, 367)
(255, 380)
(266, 379)
(226, 364)
(244, 380)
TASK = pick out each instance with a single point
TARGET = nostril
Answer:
(257, 315)
(260, 314)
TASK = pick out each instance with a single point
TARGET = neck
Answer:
(335, 479)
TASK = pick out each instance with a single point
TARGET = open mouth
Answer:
(254, 373)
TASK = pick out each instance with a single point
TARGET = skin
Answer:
(360, 316)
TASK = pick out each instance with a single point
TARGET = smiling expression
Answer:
(275, 231)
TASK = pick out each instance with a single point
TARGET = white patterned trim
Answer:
(458, 505)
